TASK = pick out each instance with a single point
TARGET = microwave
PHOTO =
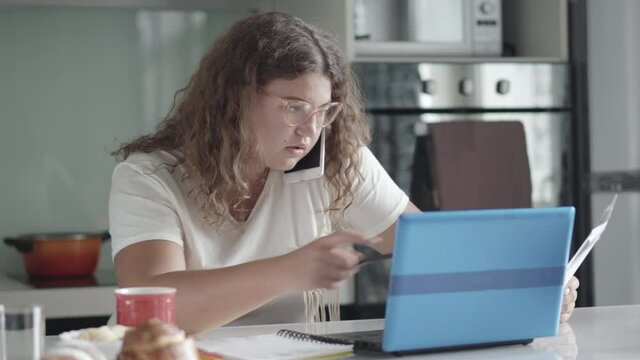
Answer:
(429, 27)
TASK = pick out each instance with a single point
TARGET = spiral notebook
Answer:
(285, 344)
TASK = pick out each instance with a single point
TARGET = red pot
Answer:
(59, 254)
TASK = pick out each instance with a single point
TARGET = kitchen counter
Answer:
(591, 333)
(60, 302)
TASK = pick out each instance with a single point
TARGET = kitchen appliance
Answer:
(429, 27)
(403, 99)
(59, 254)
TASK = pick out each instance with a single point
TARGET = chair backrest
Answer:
(472, 165)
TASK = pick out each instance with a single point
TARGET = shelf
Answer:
(366, 48)
(458, 59)
(239, 5)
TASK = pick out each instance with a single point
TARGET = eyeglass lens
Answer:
(299, 112)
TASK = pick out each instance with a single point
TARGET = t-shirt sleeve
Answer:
(140, 209)
(378, 202)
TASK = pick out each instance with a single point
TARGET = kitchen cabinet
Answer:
(333, 15)
(236, 5)
(537, 28)
(532, 29)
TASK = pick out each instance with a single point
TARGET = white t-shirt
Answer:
(149, 201)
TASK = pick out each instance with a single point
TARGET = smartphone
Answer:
(311, 166)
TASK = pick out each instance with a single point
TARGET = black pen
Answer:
(375, 257)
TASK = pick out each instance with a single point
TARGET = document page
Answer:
(591, 240)
(272, 347)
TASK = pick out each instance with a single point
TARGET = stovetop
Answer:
(99, 278)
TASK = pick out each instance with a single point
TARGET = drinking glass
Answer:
(22, 331)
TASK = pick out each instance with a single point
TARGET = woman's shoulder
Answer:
(367, 158)
(365, 151)
(151, 161)
(161, 165)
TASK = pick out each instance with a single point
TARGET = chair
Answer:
(471, 165)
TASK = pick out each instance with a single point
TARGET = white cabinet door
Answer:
(335, 16)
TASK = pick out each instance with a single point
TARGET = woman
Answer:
(201, 204)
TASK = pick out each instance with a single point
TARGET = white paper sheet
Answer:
(272, 347)
(589, 242)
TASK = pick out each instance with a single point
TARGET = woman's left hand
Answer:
(569, 299)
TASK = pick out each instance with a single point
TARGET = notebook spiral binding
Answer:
(297, 335)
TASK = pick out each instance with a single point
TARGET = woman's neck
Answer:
(243, 208)
(256, 174)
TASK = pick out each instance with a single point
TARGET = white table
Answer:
(592, 333)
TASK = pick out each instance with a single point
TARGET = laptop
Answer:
(473, 278)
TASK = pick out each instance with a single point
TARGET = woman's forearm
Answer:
(210, 298)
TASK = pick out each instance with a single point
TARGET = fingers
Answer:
(342, 256)
(329, 260)
(335, 280)
(568, 304)
(346, 238)
(567, 310)
(339, 276)
(565, 331)
(345, 259)
(570, 297)
(574, 283)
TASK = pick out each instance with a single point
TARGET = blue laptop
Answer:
(475, 278)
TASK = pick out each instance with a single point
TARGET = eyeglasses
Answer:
(297, 112)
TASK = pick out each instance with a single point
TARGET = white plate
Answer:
(109, 348)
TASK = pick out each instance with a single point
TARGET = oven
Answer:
(403, 99)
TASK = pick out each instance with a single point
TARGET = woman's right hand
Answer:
(323, 263)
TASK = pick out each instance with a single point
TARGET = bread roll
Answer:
(156, 340)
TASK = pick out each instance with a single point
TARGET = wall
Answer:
(74, 83)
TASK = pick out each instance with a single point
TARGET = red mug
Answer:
(136, 305)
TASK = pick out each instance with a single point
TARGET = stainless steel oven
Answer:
(402, 99)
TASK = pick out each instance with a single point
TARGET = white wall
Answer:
(614, 104)
(73, 83)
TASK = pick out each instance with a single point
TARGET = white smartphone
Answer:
(311, 166)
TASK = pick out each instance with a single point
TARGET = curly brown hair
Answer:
(208, 122)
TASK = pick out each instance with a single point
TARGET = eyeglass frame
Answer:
(285, 102)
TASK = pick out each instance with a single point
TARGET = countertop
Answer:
(59, 302)
(610, 332)
(592, 333)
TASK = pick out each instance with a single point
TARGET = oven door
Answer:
(395, 140)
